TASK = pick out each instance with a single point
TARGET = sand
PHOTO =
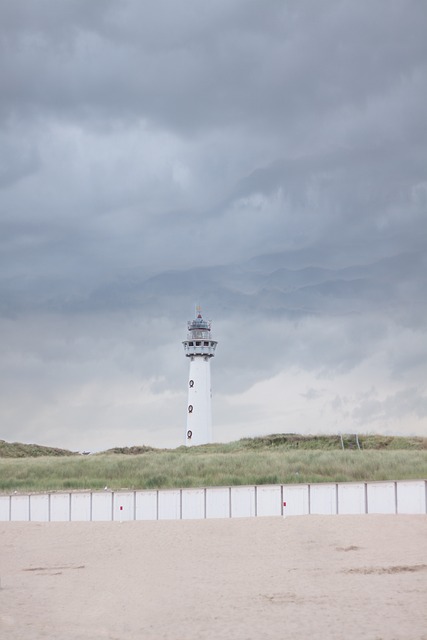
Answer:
(298, 577)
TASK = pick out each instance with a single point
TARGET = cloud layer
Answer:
(268, 163)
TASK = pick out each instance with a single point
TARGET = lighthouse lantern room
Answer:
(199, 348)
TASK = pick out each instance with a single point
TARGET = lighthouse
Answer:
(199, 348)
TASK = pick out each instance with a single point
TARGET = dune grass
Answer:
(200, 467)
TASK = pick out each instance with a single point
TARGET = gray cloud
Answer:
(266, 162)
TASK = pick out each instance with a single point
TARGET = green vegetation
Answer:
(19, 450)
(281, 459)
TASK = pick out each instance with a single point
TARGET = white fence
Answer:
(402, 497)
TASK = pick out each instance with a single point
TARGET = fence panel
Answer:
(296, 498)
(170, 504)
(80, 507)
(218, 502)
(102, 506)
(381, 497)
(351, 499)
(269, 500)
(242, 502)
(20, 508)
(59, 507)
(4, 508)
(146, 505)
(123, 506)
(411, 497)
(323, 499)
(193, 504)
(39, 507)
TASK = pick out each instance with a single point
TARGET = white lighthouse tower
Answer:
(200, 348)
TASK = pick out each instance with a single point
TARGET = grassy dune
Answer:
(283, 458)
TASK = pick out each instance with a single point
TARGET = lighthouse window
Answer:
(205, 344)
(191, 344)
(191, 383)
(190, 408)
(198, 344)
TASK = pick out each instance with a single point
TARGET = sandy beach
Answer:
(296, 577)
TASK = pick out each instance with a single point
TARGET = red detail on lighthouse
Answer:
(121, 508)
(284, 504)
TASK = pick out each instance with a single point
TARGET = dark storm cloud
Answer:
(267, 161)
(232, 64)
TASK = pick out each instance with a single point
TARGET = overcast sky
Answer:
(264, 159)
